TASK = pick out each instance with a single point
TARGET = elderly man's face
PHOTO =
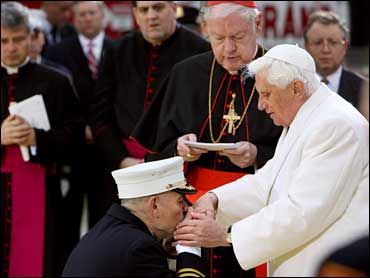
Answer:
(172, 208)
(233, 40)
(15, 45)
(327, 46)
(280, 104)
(156, 20)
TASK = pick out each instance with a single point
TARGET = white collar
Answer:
(13, 70)
(97, 42)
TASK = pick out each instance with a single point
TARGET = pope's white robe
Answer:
(311, 197)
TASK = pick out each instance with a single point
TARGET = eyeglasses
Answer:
(330, 43)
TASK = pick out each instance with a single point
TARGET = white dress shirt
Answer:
(97, 44)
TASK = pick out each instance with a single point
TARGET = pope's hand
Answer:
(207, 204)
(201, 230)
(186, 152)
(243, 156)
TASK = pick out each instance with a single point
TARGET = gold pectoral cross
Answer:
(231, 116)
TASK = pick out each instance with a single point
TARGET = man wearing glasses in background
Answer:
(326, 39)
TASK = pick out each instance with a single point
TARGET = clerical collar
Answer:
(14, 70)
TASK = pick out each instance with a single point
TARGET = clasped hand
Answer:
(16, 130)
(200, 229)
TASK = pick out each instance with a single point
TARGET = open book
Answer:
(33, 110)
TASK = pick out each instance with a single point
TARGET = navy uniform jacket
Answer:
(120, 245)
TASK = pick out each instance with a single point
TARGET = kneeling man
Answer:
(126, 242)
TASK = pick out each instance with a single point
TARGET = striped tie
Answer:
(92, 61)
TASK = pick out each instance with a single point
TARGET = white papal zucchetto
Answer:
(152, 178)
(294, 55)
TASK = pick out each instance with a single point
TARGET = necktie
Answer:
(325, 80)
(92, 61)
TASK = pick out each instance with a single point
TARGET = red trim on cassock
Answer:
(150, 78)
(206, 179)
(134, 149)
(100, 130)
(147, 150)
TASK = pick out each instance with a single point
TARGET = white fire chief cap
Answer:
(152, 178)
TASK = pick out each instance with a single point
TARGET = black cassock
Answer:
(182, 106)
(53, 146)
(131, 73)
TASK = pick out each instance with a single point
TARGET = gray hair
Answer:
(228, 8)
(100, 4)
(325, 18)
(14, 14)
(281, 74)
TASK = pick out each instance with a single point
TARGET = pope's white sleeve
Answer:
(320, 190)
(248, 194)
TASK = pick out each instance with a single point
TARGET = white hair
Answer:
(281, 74)
(133, 202)
(228, 8)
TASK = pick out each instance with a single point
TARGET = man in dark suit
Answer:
(81, 54)
(326, 39)
(58, 15)
(126, 242)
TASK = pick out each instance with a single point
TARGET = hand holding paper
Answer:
(188, 153)
(33, 111)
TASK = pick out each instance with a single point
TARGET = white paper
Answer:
(211, 146)
(33, 110)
